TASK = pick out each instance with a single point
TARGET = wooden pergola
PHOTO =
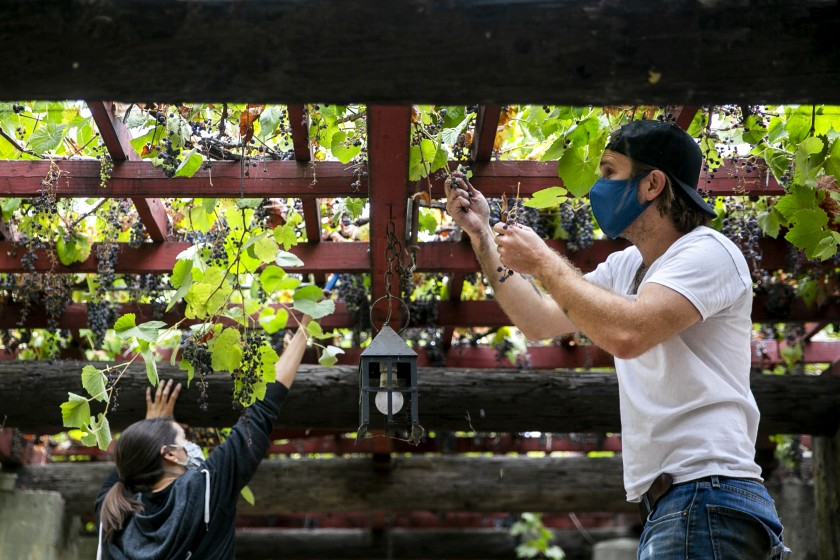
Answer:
(683, 55)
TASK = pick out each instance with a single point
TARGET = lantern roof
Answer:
(388, 343)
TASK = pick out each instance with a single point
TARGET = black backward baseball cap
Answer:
(666, 147)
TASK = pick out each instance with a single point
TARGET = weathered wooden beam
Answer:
(503, 400)
(408, 544)
(827, 495)
(528, 51)
(413, 483)
(117, 139)
(324, 179)
(299, 122)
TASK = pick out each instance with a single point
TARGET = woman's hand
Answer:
(163, 404)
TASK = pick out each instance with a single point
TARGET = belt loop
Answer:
(715, 481)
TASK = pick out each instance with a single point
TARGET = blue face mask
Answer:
(615, 203)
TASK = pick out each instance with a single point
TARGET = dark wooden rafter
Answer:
(117, 139)
(527, 51)
(388, 134)
(324, 179)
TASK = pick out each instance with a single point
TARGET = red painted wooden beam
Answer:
(684, 115)
(496, 177)
(80, 178)
(117, 139)
(350, 257)
(324, 179)
(299, 122)
(388, 135)
(484, 138)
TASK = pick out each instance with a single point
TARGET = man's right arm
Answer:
(534, 312)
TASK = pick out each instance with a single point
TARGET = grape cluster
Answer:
(216, 240)
(101, 315)
(137, 234)
(577, 223)
(248, 374)
(350, 289)
(106, 262)
(741, 226)
(168, 156)
(198, 356)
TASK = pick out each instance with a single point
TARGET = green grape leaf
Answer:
(556, 150)
(247, 495)
(427, 221)
(355, 206)
(827, 246)
(75, 413)
(268, 359)
(577, 171)
(265, 248)
(832, 162)
(421, 159)
(181, 273)
(584, 132)
(329, 356)
(343, 149)
(307, 300)
(98, 432)
(149, 360)
(285, 259)
(314, 329)
(808, 290)
(46, 138)
(225, 351)
(72, 249)
(148, 331)
(269, 121)
(801, 198)
(771, 222)
(191, 163)
(285, 235)
(196, 298)
(9, 206)
(808, 230)
(547, 198)
(275, 322)
(316, 310)
(798, 124)
(754, 132)
(808, 159)
(93, 382)
(270, 278)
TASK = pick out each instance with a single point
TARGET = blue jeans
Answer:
(725, 519)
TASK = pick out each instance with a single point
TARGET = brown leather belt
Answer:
(662, 483)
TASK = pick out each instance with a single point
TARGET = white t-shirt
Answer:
(686, 404)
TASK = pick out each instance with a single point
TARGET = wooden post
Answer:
(827, 495)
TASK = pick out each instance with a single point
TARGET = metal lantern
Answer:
(388, 384)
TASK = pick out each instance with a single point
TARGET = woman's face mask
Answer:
(195, 456)
(615, 203)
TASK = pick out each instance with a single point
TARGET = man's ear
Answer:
(654, 184)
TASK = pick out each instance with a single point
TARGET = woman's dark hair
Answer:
(139, 465)
(674, 203)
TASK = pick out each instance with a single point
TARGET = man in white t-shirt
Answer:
(674, 310)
